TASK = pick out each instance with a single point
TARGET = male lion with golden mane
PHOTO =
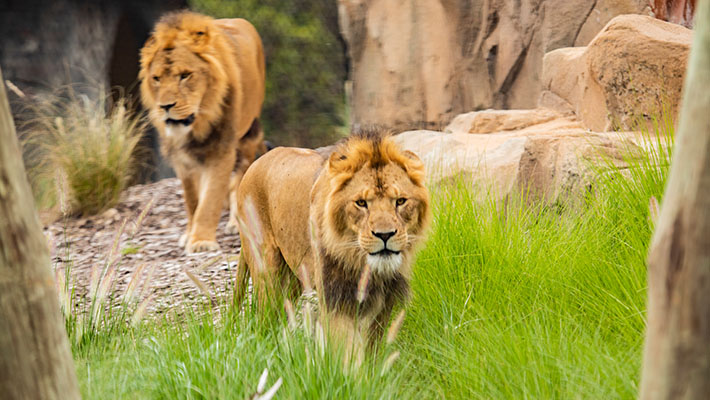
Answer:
(202, 81)
(350, 222)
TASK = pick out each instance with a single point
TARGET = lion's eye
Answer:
(156, 79)
(185, 75)
(361, 203)
(401, 201)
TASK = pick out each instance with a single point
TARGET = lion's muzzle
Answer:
(184, 122)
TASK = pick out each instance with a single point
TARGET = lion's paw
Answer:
(232, 227)
(183, 240)
(200, 246)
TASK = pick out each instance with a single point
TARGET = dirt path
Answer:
(151, 254)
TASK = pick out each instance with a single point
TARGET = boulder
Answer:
(490, 121)
(417, 64)
(603, 12)
(548, 159)
(632, 70)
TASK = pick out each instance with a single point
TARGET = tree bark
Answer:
(675, 11)
(35, 359)
(677, 350)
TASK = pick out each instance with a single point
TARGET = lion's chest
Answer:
(178, 133)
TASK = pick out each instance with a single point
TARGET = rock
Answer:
(489, 121)
(417, 64)
(549, 159)
(110, 214)
(603, 12)
(562, 73)
(633, 70)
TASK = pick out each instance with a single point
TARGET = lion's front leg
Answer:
(213, 180)
(190, 193)
(378, 326)
(348, 334)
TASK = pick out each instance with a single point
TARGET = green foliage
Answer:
(304, 103)
(79, 154)
(200, 359)
(525, 300)
(514, 299)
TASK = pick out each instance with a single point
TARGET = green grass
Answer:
(511, 300)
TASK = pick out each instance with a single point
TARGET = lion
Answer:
(203, 83)
(349, 221)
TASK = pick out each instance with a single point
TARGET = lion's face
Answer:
(380, 210)
(178, 81)
(183, 74)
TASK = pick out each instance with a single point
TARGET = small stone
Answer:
(110, 214)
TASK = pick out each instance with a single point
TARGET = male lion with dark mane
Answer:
(202, 81)
(345, 220)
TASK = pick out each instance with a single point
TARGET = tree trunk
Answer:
(675, 11)
(35, 359)
(677, 351)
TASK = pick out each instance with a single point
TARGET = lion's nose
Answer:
(167, 107)
(384, 235)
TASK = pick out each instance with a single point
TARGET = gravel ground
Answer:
(147, 250)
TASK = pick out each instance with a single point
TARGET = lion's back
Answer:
(249, 55)
(278, 185)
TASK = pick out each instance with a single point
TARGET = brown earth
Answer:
(85, 245)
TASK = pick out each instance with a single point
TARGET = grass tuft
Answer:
(82, 149)
(96, 318)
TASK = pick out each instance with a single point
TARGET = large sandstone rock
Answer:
(490, 121)
(549, 158)
(418, 63)
(603, 12)
(631, 71)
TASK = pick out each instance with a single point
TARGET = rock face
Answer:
(90, 44)
(632, 70)
(547, 157)
(49, 43)
(490, 121)
(419, 63)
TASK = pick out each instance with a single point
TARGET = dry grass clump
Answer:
(104, 311)
(81, 150)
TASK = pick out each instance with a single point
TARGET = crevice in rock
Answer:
(501, 94)
(584, 21)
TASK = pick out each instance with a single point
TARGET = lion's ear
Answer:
(150, 42)
(414, 167)
(412, 156)
(201, 37)
(147, 54)
(413, 160)
(337, 162)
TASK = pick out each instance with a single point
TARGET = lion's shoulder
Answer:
(283, 167)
